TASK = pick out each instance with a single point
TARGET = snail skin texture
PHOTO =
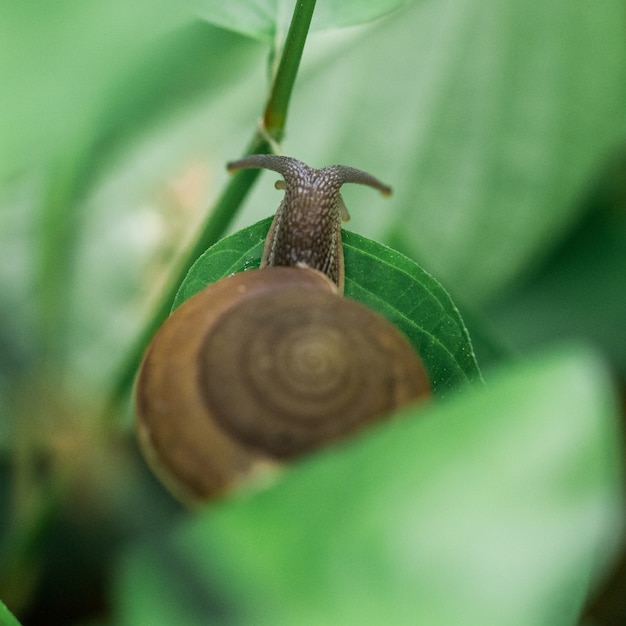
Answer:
(266, 365)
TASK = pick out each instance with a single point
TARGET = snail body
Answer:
(306, 230)
(266, 365)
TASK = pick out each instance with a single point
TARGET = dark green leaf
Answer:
(380, 278)
(579, 293)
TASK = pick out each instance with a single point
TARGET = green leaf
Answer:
(88, 46)
(147, 604)
(263, 19)
(497, 507)
(489, 118)
(6, 617)
(380, 278)
(81, 189)
(580, 293)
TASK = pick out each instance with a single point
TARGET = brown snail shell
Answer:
(261, 367)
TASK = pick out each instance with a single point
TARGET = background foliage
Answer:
(501, 127)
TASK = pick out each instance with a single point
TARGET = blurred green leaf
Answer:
(380, 278)
(497, 507)
(488, 118)
(579, 292)
(263, 19)
(148, 605)
(6, 618)
(57, 69)
(58, 217)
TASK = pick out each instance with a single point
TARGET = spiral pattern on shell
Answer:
(322, 368)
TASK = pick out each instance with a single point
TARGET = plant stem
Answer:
(275, 114)
(233, 195)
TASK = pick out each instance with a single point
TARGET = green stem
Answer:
(275, 115)
(232, 197)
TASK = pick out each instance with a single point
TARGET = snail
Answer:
(269, 364)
